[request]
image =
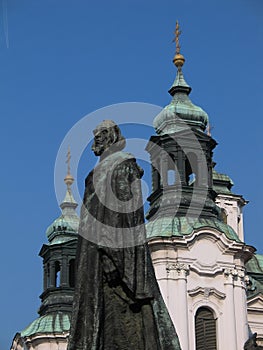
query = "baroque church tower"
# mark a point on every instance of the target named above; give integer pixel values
(195, 227)
(50, 330)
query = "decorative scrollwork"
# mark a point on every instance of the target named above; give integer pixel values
(180, 268)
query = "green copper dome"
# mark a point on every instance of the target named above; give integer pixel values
(183, 226)
(56, 322)
(181, 113)
(61, 229)
(65, 226)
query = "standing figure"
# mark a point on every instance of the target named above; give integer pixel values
(117, 302)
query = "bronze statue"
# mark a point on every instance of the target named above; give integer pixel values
(117, 303)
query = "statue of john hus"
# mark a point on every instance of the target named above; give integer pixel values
(117, 302)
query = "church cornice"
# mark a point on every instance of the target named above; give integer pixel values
(45, 338)
(225, 244)
(240, 199)
(48, 248)
(185, 138)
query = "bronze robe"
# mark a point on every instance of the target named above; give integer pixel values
(117, 303)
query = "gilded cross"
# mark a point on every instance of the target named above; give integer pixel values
(177, 33)
(68, 160)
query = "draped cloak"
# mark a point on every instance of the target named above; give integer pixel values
(117, 302)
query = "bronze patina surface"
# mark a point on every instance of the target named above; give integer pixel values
(117, 302)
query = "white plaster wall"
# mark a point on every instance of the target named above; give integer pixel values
(41, 342)
(233, 206)
(203, 271)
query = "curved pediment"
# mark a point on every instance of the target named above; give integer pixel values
(206, 292)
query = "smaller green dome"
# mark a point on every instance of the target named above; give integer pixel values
(181, 113)
(62, 228)
(66, 226)
(56, 322)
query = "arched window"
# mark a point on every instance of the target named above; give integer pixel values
(171, 177)
(171, 171)
(205, 330)
(57, 274)
(72, 273)
(191, 168)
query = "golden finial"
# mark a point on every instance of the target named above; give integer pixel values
(178, 58)
(69, 179)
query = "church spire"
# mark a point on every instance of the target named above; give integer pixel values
(68, 222)
(180, 113)
(58, 271)
(179, 60)
(69, 179)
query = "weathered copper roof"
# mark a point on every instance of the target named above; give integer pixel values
(255, 264)
(66, 225)
(254, 269)
(182, 226)
(222, 183)
(57, 322)
(180, 112)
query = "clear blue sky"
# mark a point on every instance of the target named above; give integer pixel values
(60, 60)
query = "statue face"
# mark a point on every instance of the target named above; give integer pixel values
(101, 142)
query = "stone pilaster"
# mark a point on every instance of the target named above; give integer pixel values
(230, 333)
(45, 277)
(52, 274)
(178, 272)
(240, 308)
(164, 168)
(64, 272)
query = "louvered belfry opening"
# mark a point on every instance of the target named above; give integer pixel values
(205, 330)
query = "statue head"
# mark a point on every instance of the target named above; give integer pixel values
(107, 137)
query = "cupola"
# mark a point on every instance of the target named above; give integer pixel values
(180, 112)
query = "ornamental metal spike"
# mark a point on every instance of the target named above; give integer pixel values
(69, 179)
(177, 33)
(178, 58)
(68, 160)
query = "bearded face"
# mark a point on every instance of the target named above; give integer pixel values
(101, 142)
(107, 138)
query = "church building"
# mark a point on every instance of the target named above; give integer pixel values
(210, 279)
(195, 231)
